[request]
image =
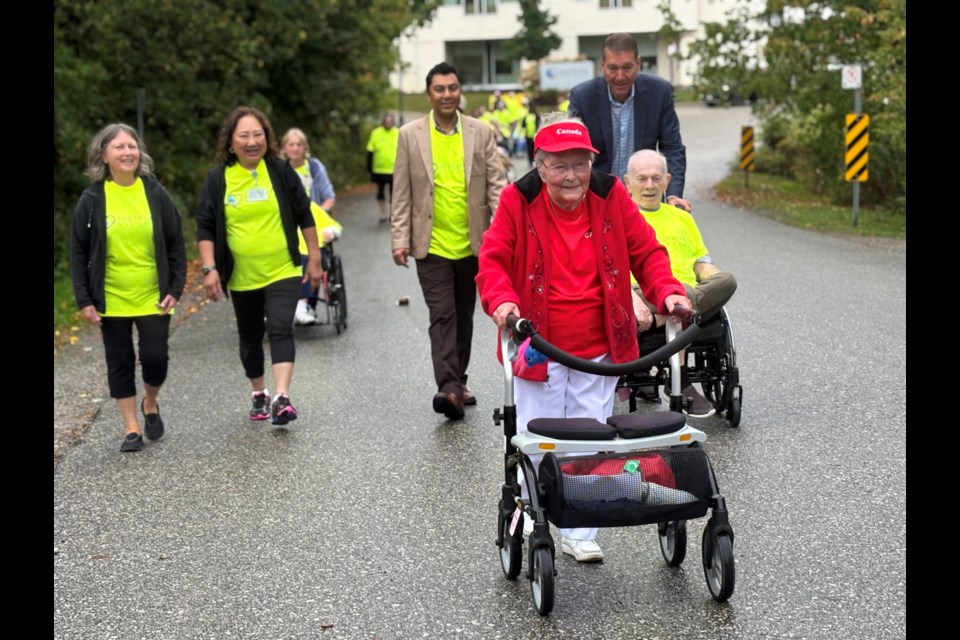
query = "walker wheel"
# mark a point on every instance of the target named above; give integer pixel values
(733, 411)
(673, 541)
(718, 566)
(541, 585)
(511, 547)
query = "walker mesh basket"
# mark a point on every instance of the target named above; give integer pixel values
(626, 489)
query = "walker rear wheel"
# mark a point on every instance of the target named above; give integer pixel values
(673, 541)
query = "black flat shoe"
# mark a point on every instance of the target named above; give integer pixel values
(152, 423)
(132, 442)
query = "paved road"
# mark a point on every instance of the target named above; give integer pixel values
(373, 517)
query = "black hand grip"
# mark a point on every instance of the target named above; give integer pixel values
(683, 340)
(520, 325)
(687, 316)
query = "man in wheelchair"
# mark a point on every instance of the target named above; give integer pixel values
(708, 288)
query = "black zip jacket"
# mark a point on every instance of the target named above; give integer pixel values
(88, 244)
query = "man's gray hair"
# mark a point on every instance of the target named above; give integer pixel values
(647, 153)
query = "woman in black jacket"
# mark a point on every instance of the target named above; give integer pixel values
(129, 267)
(250, 208)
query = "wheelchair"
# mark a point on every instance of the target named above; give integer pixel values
(332, 291)
(711, 361)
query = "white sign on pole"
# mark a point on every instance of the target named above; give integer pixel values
(851, 76)
(564, 76)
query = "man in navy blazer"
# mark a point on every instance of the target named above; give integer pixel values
(638, 107)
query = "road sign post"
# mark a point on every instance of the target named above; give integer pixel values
(857, 136)
(747, 154)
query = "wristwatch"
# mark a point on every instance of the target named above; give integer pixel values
(207, 268)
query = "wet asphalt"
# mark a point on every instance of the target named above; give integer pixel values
(372, 517)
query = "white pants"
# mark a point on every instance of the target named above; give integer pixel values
(567, 393)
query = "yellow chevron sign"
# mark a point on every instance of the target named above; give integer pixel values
(858, 137)
(747, 153)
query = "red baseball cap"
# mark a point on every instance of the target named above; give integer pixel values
(563, 136)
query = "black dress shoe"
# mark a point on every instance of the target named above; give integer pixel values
(132, 442)
(449, 404)
(152, 423)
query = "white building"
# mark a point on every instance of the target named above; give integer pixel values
(468, 34)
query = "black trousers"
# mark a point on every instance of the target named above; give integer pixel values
(278, 301)
(451, 296)
(152, 343)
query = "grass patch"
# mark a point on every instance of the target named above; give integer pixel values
(67, 321)
(789, 202)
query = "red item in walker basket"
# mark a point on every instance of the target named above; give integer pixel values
(653, 468)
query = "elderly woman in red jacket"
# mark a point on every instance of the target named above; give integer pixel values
(559, 252)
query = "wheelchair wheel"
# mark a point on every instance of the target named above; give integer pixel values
(340, 294)
(511, 547)
(541, 586)
(673, 541)
(718, 566)
(733, 411)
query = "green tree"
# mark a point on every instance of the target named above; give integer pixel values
(535, 40)
(317, 64)
(791, 55)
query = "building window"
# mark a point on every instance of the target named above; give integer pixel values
(615, 4)
(480, 6)
(482, 65)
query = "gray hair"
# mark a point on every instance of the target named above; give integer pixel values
(97, 170)
(621, 43)
(291, 132)
(645, 153)
(555, 117)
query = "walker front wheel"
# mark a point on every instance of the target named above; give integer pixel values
(673, 541)
(541, 586)
(718, 566)
(511, 548)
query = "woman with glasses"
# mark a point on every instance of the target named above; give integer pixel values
(559, 252)
(250, 208)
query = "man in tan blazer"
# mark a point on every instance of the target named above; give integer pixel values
(446, 185)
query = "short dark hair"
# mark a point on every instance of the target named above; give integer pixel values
(621, 42)
(224, 154)
(443, 69)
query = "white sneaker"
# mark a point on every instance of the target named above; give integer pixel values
(582, 550)
(305, 316)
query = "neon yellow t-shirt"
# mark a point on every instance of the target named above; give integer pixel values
(451, 225)
(254, 230)
(564, 106)
(130, 287)
(322, 220)
(383, 145)
(304, 172)
(677, 231)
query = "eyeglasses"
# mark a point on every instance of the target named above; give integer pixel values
(559, 170)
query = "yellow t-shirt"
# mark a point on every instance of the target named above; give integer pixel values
(383, 146)
(322, 220)
(677, 231)
(304, 172)
(131, 287)
(451, 224)
(254, 230)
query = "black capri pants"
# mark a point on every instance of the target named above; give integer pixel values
(278, 301)
(152, 337)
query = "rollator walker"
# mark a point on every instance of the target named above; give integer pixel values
(651, 469)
